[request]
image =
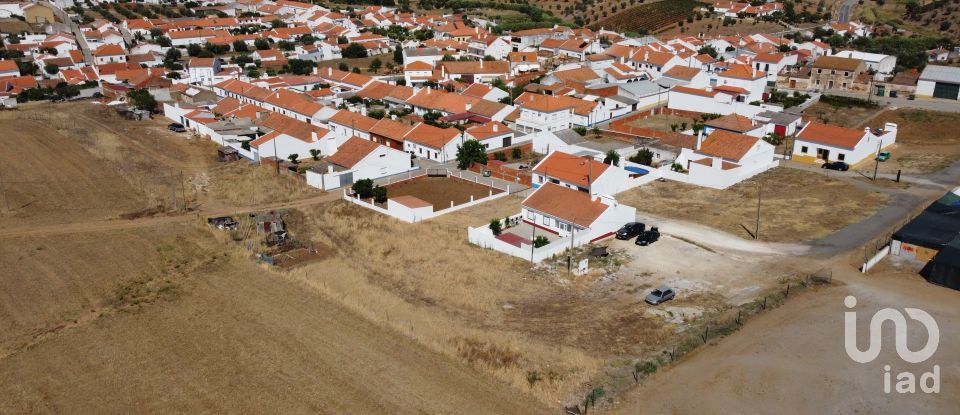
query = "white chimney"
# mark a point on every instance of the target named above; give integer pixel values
(481, 63)
(329, 71)
(496, 127)
(313, 136)
(468, 106)
(329, 168)
(699, 139)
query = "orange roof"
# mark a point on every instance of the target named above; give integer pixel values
(831, 135)
(742, 72)
(8, 65)
(569, 205)
(732, 122)
(682, 72)
(727, 145)
(352, 151)
(693, 91)
(430, 136)
(542, 103)
(109, 50)
(490, 129)
(418, 66)
(353, 120)
(390, 129)
(570, 168)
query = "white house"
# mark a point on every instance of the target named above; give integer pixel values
(432, 143)
(109, 53)
(884, 65)
(202, 70)
(542, 113)
(563, 211)
(723, 159)
(357, 159)
(823, 143)
(492, 135)
(294, 138)
(583, 173)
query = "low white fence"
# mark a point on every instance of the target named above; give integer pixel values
(483, 237)
(876, 259)
(413, 215)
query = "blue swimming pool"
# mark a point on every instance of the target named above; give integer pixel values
(636, 170)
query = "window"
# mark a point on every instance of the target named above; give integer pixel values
(840, 156)
(846, 74)
(532, 216)
(539, 179)
(546, 221)
(803, 149)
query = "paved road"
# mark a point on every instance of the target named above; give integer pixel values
(932, 104)
(844, 15)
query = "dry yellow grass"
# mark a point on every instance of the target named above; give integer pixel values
(241, 183)
(797, 205)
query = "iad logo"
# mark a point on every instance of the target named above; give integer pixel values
(906, 381)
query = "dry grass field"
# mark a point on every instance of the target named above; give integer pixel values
(441, 191)
(852, 117)
(796, 205)
(926, 140)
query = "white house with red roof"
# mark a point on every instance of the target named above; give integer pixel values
(355, 160)
(433, 143)
(583, 173)
(564, 212)
(109, 53)
(817, 143)
(722, 159)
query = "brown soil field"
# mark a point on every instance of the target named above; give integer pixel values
(715, 27)
(926, 140)
(796, 205)
(209, 331)
(440, 191)
(852, 117)
(661, 122)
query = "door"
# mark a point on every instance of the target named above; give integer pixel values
(346, 179)
(881, 90)
(946, 91)
(823, 154)
(780, 129)
(793, 84)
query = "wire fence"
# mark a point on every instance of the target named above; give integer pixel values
(730, 320)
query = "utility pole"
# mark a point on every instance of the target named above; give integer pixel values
(756, 233)
(276, 157)
(570, 255)
(876, 160)
(534, 240)
(3, 192)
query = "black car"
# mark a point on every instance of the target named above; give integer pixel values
(836, 165)
(176, 127)
(648, 237)
(630, 230)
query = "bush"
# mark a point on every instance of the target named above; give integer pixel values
(644, 156)
(470, 152)
(847, 102)
(379, 194)
(580, 130)
(517, 153)
(540, 241)
(500, 155)
(363, 188)
(495, 226)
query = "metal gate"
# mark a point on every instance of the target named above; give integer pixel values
(346, 179)
(945, 90)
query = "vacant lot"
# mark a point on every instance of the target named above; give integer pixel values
(662, 122)
(441, 191)
(927, 141)
(850, 117)
(796, 205)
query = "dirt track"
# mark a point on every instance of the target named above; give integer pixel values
(792, 360)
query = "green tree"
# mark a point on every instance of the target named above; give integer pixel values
(471, 151)
(612, 158)
(261, 44)
(517, 153)
(239, 46)
(362, 188)
(343, 66)
(355, 50)
(142, 100)
(496, 227)
(315, 154)
(644, 157)
(379, 194)
(51, 69)
(375, 65)
(398, 55)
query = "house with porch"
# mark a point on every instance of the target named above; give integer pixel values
(819, 143)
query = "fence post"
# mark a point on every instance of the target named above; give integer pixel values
(787, 294)
(738, 316)
(706, 333)
(764, 302)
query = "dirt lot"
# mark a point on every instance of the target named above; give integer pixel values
(661, 122)
(852, 117)
(926, 140)
(793, 358)
(796, 205)
(440, 191)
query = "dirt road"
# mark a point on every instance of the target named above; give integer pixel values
(792, 360)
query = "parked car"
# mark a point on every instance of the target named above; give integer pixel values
(836, 165)
(884, 156)
(648, 237)
(660, 295)
(630, 230)
(176, 127)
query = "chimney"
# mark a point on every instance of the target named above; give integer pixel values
(329, 71)
(646, 56)
(481, 63)
(468, 106)
(699, 139)
(313, 136)
(496, 127)
(329, 168)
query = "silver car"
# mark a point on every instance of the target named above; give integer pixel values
(660, 295)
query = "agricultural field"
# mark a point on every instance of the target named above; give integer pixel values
(933, 18)
(714, 27)
(650, 17)
(790, 211)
